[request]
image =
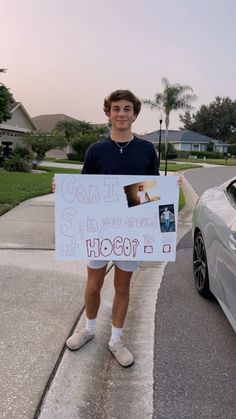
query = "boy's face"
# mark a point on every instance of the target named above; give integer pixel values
(121, 115)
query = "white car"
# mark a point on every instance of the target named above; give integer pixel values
(214, 248)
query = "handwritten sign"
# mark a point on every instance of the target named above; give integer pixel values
(109, 217)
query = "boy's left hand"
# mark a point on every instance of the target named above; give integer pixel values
(180, 181)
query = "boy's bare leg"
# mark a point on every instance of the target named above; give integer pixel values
(92, 302)
(93, 290)
(121, 299)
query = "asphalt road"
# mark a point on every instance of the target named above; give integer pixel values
(195, 346)
(204, 178)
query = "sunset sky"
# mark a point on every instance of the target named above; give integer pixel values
(66, 56)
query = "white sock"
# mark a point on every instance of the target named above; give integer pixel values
(90, 325)
(116, 333)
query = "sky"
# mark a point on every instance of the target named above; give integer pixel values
(66, 56)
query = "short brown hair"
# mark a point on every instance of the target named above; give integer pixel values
(119, 95)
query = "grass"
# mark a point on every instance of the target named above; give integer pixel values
(67, 161)
(16, 187)
(172, 167)
(222, 162)
(175, 167)
(181, 200)
(230, 162)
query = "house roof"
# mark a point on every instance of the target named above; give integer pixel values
(48, 122)
(13, 107)
(182, 136)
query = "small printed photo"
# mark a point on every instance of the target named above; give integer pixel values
(167, 218)
(141, 193)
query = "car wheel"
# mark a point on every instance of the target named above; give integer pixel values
(200, 268)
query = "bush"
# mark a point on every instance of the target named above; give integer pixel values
(80, 145)
(24, 153)
(232, 149)
(172, 155)
(199, 154)
(72, 156)
(172, 152)
(17, 164)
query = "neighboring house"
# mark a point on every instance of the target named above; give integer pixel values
(48, 122)
(187, 140)
(20, 123)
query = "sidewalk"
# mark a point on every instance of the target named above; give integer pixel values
(41, 302)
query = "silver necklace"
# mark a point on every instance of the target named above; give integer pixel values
(121, 148)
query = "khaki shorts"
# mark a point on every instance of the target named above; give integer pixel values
(124, 265)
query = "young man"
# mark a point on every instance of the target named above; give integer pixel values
(167, 214)
(143, 196)
(120, 154)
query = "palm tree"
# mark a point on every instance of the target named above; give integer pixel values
(174, 97)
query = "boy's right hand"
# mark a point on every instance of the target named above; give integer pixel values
(53, 184)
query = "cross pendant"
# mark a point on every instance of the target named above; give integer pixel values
(121, 150)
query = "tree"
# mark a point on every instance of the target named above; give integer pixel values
(210, 146)
(231, 140)
(173, 98)
(75, 131)
(71, 129)
(42, 142)
(5, 101)
(216, 120)
(232, 149)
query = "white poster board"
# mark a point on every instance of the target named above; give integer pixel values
(113, 217)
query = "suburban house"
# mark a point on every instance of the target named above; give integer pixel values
(48, 122)
(19, 124)
(187, 140)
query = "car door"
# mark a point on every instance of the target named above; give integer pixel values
(226, 257)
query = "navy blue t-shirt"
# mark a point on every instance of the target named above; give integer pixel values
(137, 158)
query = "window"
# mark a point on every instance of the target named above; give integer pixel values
(231, 193)
(196, 147)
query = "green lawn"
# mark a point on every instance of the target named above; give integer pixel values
(175, 167)
(16, 187)
(181, 200)
(172, 166)
(67, 161)
(230, 162)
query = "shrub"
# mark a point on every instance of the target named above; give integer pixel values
(232, 149)
(17, 164)
(80, 145)
(72, 156)
(172, 152)
(200, 154)
(24, 153)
